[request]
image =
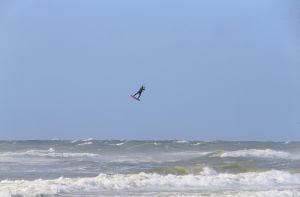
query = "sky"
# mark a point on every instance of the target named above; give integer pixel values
(213, 69)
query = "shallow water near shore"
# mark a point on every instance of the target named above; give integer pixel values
(149, 168)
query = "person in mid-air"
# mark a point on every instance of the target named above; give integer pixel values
(139, 93)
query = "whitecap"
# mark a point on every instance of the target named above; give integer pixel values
(74, 141)
(197, 144)
(46, 153)
(88, 139)
(209, 180)
(118, 144)
(266, 153)
(181, 141)
(85, 143)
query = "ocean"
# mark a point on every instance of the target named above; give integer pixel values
(73, 168)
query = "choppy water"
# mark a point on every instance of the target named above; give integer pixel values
(149, 168)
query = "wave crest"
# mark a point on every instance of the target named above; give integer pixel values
(207, 180)
(46, 153)
(266, 153)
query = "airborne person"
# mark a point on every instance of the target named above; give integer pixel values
(139, 93)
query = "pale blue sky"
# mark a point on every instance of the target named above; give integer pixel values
(213, 69)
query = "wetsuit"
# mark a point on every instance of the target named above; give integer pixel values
(139, 93)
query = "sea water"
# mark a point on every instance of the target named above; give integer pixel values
(149, 168)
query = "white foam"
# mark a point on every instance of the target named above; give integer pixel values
(268, 193)
(118, 144)
(74, 141)
(266, 153)
(181, 141)
(88, 139)
(271, 193)
(85, 143)
(46, 153)
(198, 143)
(208, 180)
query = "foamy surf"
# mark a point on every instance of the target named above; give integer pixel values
(87, 139)
(118, 144)
(207, 180)
(85, 143)
(266, 153)
(181, 142)
(148, 168)
(46, 153)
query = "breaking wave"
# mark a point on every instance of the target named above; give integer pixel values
(197, 144)
(46, 153)
(87, 139)
(85, 143)
(269, 193)
(232, 167)
(74, 141)
(181, 141)
(207, 180)
(118, 144)
(82, 140)
(266, 153)
(178, 170)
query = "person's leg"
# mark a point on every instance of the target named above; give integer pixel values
(139, 95)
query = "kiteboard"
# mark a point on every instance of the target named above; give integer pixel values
(135, 98)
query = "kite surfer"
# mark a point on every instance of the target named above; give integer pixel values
(139, 93)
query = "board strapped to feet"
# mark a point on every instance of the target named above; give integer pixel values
(135, 98)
